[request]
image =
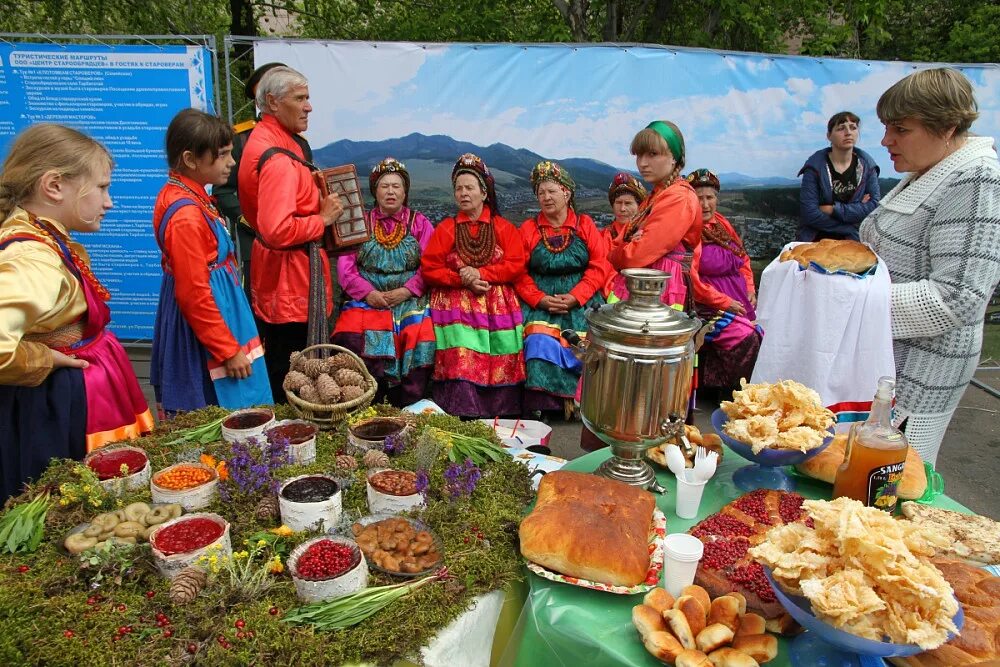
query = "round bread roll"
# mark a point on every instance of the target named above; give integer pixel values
(730, 657)
(712, 637)
(693, 612)
(699, 594)
(725, 610)
(659, 599)
(662, 646)
(741, 598)
(647, 620)
(678, 623)
(751, 624)
(761, 648)
(692, 658)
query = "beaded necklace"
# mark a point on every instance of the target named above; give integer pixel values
(391, 239)
(201, 199)
(720, 236)
(558, 240)
(475, 250)
(51, 237)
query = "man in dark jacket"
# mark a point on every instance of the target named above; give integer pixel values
(839, 184)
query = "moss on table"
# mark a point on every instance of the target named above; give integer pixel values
(50, 614)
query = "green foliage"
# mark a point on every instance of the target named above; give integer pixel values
(105, 17)
(22, 526)
(51, 614)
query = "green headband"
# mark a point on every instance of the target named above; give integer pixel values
(668, 134)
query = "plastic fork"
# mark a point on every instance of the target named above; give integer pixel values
(705, 463)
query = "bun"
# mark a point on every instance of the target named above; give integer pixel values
(693, 612)
(751, 624)
(832, 255)
(742, 599)
(662, 646)
(659, 599)
(725, 610)
(679, 626)
(823, 467)
(589, 527)
(761, 648)
(692, 658)
(700, 594)
(713, 637)
(647, 620)
(730, 657)
(783, 625)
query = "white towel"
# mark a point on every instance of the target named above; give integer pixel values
(831, 332)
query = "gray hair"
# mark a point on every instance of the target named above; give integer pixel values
(277, 82)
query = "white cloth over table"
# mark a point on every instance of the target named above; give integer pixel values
(831, 332)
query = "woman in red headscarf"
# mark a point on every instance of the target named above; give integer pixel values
(387, 319)
(471, 263)
(624, 194)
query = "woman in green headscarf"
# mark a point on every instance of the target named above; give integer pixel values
(566, 270)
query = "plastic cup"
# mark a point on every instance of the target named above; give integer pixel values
(688, 495)
(682, 553)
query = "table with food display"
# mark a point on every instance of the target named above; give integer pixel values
(773, 540)
(258, 537)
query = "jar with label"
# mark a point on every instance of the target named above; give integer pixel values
(875, 456)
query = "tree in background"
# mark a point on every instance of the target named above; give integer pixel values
(917, 30)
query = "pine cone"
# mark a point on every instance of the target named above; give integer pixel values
(294, 380)
(350, 392)
(314, 367)
(346, 377)
(376, 459)
(268, 509)
(341, 360)
(295, 361)
(346, 462)
(307, 392)
(327, 389)
(187, 584)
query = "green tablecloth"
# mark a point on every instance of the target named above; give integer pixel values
(568, 625)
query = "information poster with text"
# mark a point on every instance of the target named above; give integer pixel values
(124, 96)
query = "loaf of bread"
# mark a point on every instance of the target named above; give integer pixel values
(832, 255)
(979, 594)
(590, 527)
(824, 466)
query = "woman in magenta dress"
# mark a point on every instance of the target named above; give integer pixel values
(387, 320)
(725, 294)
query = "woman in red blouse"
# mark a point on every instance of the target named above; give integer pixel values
(206, 350)
(624, 194)
(667, 229)
(471, 263)
(566, 271)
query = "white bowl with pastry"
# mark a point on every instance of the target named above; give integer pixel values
(594, 532)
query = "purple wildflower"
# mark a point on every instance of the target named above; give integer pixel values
(460, 479)
(251, 467)
(423, 482)
(394, 444)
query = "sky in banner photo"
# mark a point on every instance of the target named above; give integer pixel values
(753, 119)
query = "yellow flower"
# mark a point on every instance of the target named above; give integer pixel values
(213, 559)
(86, 488)
(63, 502)
(276, 567)
(95, 502)
(261, 543)
(283, 531)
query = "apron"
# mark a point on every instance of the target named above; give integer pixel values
(180, 363)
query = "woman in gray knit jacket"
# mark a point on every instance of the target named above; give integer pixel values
(939, 233)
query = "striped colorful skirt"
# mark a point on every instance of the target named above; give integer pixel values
(479, 364)
(397, 344)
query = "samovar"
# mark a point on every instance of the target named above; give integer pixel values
(638, 361)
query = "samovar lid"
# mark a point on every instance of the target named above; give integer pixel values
(643, 314)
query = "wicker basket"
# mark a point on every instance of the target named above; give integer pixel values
(328, 416)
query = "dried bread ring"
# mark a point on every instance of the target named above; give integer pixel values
(136, 511)
(77, 543)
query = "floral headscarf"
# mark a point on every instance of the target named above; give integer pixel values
(390, 165)
(469, 163)
(552, 171)
(703, 178)
(625, 183)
